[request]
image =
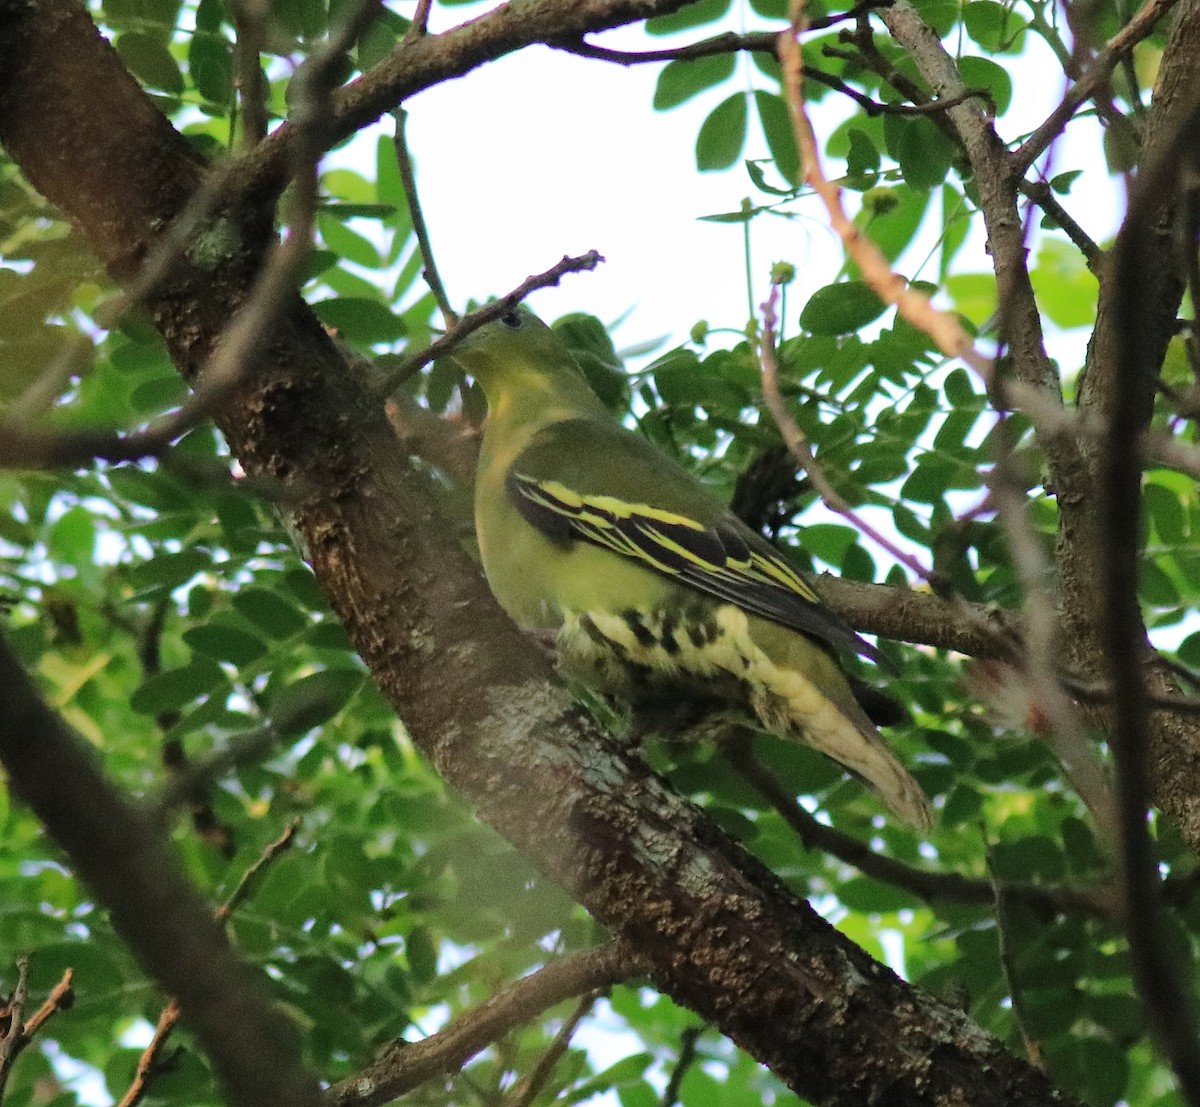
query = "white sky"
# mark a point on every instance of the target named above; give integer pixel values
(542, 153)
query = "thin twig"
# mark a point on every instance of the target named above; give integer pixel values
(61, 996)
(419, 27)
(729, 42)
(476, 319)
(1097, 75)
(10, 1043)
(763, 42)
(933, 887)
(408, 179)
(407, 1065)
(250, 18)
(21, 1031)
(796, 441)
(148, 1062)
(246, 885)
(687, 1057)
(1008, 967)
(1043, 196)
(526, 1090)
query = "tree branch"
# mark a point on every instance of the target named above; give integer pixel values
(148, 1062)
(527, 1089)
(408, 179)
(118, 851)
(470, 323)
(925, 884)
(1160, 979)
(1098, 73)
(407, 1065)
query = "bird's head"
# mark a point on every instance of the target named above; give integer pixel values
(518, 355)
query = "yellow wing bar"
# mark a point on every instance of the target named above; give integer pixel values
(723, 560)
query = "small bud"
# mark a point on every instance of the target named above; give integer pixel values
(783, 272)
(879, 201)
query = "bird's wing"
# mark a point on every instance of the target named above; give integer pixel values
(719, 556)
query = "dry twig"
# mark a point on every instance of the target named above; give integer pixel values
(470, 323)
(407, 1065)
(20, 1031)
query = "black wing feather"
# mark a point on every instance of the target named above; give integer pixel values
(724, 560)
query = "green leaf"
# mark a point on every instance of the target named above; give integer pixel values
(1155, 586)
(270, 612)
(1066, 289)
(893, 225)
(597, 358)
(722, 135)
(349, 244)
(781, 140)
(690, 15)
(312, 700)
(72, 537)
(150, 61)
(223, 642)
(841, 308)
(941, 15)
(922, 151)
(176, 688)
(210, 65)
(960, 389)
(995, 27)
(169, 570)
(974, 295)
(680, 80)
(862, 893)
(1166, 512)
(379, 38)
(984, 73)
(1061, 183)
(862, 157)
(1122, 145)
(421, 953)
(362, 321)
(627, 1071)
(94, 967)
(306, 19)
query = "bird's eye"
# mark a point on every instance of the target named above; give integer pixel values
(511, 319)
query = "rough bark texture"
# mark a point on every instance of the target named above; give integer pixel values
(722, 934)
(119, 849)
(1074, 467)
(1174, 739)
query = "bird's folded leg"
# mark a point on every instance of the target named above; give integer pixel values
(685, 720)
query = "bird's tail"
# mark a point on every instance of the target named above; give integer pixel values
(789, 704)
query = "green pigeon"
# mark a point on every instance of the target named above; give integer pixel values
(655, 591)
